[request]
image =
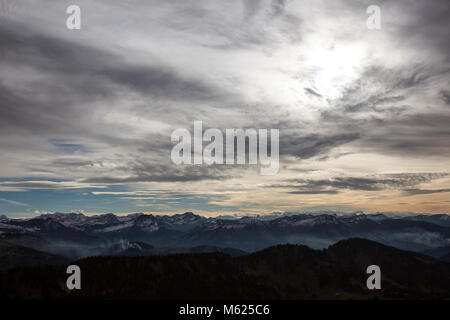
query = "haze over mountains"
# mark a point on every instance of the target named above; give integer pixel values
(75, 235)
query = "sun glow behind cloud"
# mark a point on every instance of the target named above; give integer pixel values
(334, 68)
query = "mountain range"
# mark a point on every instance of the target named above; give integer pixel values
(75, 235)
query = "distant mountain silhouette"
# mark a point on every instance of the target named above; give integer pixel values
(76, 235)
(12, 255)
(279, 272)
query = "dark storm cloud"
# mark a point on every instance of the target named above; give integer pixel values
(430, 26)
(10, 109)
(414, 23)
(72, 162)
(66, 146)
(26, 47)
(133, 172)
(420, 134)
(160, 83)
(305, 147)
(78, 85)
(373, 103)
(358, 97)
(314, 192)
(445, 96)
(147, 172)
(312, 92)
(377, 183)
(414, 192)
(23, 46)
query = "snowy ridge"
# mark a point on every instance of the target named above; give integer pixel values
(417, 233)
(188, 221)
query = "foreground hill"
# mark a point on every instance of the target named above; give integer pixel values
(280, 272)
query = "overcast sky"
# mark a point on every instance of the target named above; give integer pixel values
(86, 115)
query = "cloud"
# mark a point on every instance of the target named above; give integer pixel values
(147, 172)
(312, 92)
(16, 203)
(377, 183)
(95, 71)
(68, 147)
(277, 7)
(414, 192)
(314, 192)
(96, 108)
(72, 162)
(304, 147)
(445, 95)
(161, 83)
(426, 26)
(43, 184)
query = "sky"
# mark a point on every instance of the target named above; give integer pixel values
(86, 115)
